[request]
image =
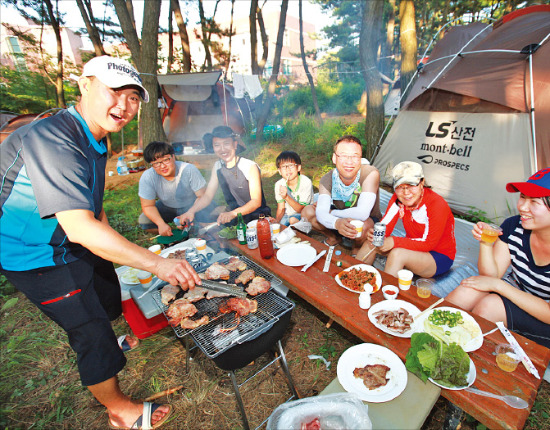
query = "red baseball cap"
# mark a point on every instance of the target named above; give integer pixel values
(537, 185)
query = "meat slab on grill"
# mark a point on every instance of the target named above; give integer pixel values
(234, 264)
(241, 306)
(178, 254)
(179, 310)
(195, 294)
(373, 375)
(217, 271)
(168, 293)
(245, 277)
(189, 324)
(258, 285)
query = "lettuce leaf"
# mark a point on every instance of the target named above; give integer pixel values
(452, 367)
(413, 364)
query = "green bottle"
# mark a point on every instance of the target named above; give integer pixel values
(241, 230)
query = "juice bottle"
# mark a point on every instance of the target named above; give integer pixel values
(264, 238)
(241, 230)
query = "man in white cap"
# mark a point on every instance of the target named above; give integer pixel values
(56, 245)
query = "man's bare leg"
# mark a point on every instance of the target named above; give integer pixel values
(123, 411)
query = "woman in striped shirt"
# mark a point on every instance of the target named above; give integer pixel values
(521, 299)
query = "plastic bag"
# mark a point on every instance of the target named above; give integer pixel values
(340, 411)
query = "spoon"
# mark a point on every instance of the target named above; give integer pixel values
(513, 401)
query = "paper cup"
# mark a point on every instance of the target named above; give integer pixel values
(200, 244)
(405, 279)
(145, 278)
(275, 228)
(358, 226)
(155, 248)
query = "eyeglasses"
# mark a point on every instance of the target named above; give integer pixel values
(354, 158)
(165, 161)
(406, 188)
(288, 166)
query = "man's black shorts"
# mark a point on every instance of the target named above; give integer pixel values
(81, 297)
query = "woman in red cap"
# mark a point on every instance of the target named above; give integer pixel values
(521, 298)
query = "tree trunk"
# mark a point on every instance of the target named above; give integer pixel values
(386, 63)
(170, 40)
(230, 37)
(185, 48)
(89, 21)
(145, 55)
(266, 108)
(253, 37)
(205, 40)
(368, 48)
(306, 68)
(59, 73)
(408, 44)
(265, 42)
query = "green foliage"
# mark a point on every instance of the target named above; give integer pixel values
(128, 136)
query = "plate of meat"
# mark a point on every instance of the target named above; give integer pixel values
(355, 277)
(394, 317)
(373, 372)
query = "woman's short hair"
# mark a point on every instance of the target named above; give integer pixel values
(157, 150)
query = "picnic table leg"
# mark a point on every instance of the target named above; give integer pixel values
(329, 323)
(453, 416)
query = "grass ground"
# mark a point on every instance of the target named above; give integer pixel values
(39, 384)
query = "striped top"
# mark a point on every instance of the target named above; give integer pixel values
(527, 275)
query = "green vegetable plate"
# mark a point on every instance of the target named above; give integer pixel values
(177, 236)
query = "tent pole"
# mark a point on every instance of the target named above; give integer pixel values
(533, 112)
(224, 98)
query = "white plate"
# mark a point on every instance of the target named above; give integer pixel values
(467, 346)
(296, 254)
(392, 305)
(470, 378)
(370, 353)
(365, 267)
(129, 276)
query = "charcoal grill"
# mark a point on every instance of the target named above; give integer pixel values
(256, 333)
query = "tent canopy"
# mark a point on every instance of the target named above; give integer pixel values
(470, 118)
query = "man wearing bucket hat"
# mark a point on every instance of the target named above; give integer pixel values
(521, 298)
(56, 245)
(429, 245)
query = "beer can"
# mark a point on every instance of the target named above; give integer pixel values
(251, 238)
(379, 234)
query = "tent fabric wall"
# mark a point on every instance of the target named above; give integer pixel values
(484, 91)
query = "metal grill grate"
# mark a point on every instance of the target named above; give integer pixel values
(212, 339)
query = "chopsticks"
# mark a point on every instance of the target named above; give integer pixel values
(154, 237)
(368, 253)
(429, 308)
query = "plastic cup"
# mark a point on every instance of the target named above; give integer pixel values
(490, 232)
(424, 287)
(145, 278)
(200, 245)
(507, 359)
(155, 248)
(358, 226)
(405, 279)
(390, 292)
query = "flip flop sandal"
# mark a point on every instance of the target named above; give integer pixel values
(148, 410)
(123, 343)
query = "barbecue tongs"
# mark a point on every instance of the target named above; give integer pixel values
(220, 287)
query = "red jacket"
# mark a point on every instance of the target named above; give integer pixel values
(430, 227)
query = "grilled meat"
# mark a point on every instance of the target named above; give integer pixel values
(234, 264)
(258, 285)
(180, 309)
(399, 320)
(189, 324)
(245, 277)
(168, 293)
(373, 375)
(217, 271)
(195, 294)
(179, 254)
(241, 306)
(315, 424)
(213, 294)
